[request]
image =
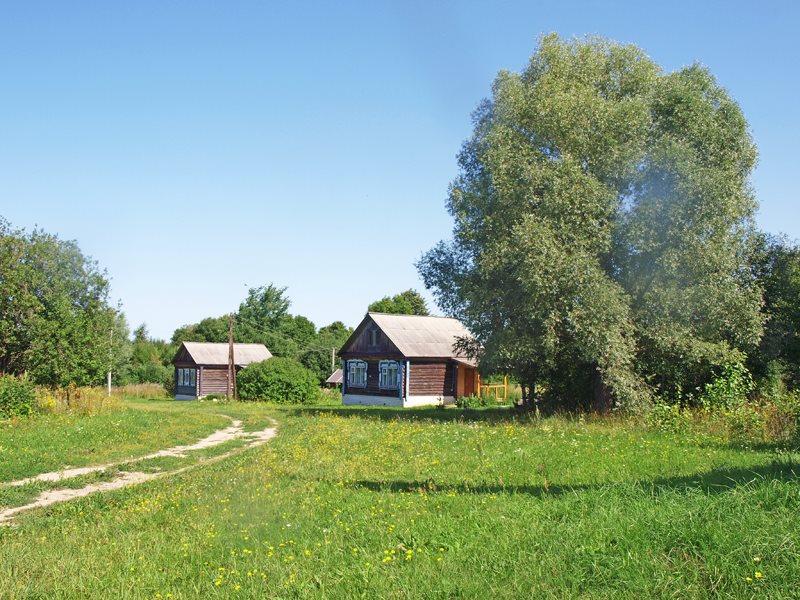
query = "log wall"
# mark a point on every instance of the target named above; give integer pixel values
(432, 379)
(373, 380)
(214, 380)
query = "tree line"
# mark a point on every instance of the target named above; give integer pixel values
(58, 326)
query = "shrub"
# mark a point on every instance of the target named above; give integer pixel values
(150, 373)
(729, 389)
(514, 394)
(278, 379)
(782, 418)
(17, 396)
(169, 382)
(330, 395)
(745, 423)
(669, 418)
(472, 401)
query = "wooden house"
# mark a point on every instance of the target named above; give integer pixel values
(406, 360)
(201, 368)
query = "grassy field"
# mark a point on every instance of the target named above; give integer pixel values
(349, 502)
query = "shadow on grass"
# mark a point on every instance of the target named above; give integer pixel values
(710, 482)
(500, 414)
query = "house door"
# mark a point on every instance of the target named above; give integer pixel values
(465, 381)
(469, 381)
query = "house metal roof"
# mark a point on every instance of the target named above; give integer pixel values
(423, 337)
(208, 353)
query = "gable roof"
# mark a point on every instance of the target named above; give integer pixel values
(419, 337)
(208, 353)
(336, 377)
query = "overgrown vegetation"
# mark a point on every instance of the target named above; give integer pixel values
(146, 391)
(17, 396)
(55, 315)
(281, 380)
(74, 400)
(611, 263)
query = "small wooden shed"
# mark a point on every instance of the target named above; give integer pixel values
(335, 378)
(406, 360)
(201, 368)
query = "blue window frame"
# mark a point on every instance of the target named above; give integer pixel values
(389, 375)
(356, 373)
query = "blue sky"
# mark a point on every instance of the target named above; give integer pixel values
(195, 149)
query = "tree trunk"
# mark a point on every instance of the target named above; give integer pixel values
(602, 401)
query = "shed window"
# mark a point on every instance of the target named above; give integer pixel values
(389, 375)
(356, 373)
(187, 377)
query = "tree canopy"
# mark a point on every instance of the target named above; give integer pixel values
(777, 264)
(409, 302)
(55, 314)
(603, 220)
(263, 317)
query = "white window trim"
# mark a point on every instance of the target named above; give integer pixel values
(187, 377)
(384, 368)
(352, 367)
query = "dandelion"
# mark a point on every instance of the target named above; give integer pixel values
(759, 574)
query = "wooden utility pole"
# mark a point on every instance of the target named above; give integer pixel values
(231, 366)
(110, 358)
(333, 360)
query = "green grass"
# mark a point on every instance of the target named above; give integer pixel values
(389, 503)
(51, 442)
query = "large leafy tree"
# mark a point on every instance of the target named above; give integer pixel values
(602, 218)
(777, 264)
(210, 329)
(409, 302)
(319, 356)
(55, 315)
(263, 318)
(151, 359)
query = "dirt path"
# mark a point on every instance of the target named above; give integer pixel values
(235, 431)
(215, 439)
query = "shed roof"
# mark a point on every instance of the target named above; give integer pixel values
(423, 337)
(208, 353)
(336, 377)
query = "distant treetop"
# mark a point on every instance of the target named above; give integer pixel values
(409, 302)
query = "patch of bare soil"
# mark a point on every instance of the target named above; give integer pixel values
(125, 479)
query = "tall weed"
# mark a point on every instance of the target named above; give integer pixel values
(147, 391)
(75, 400)
(17, 396)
